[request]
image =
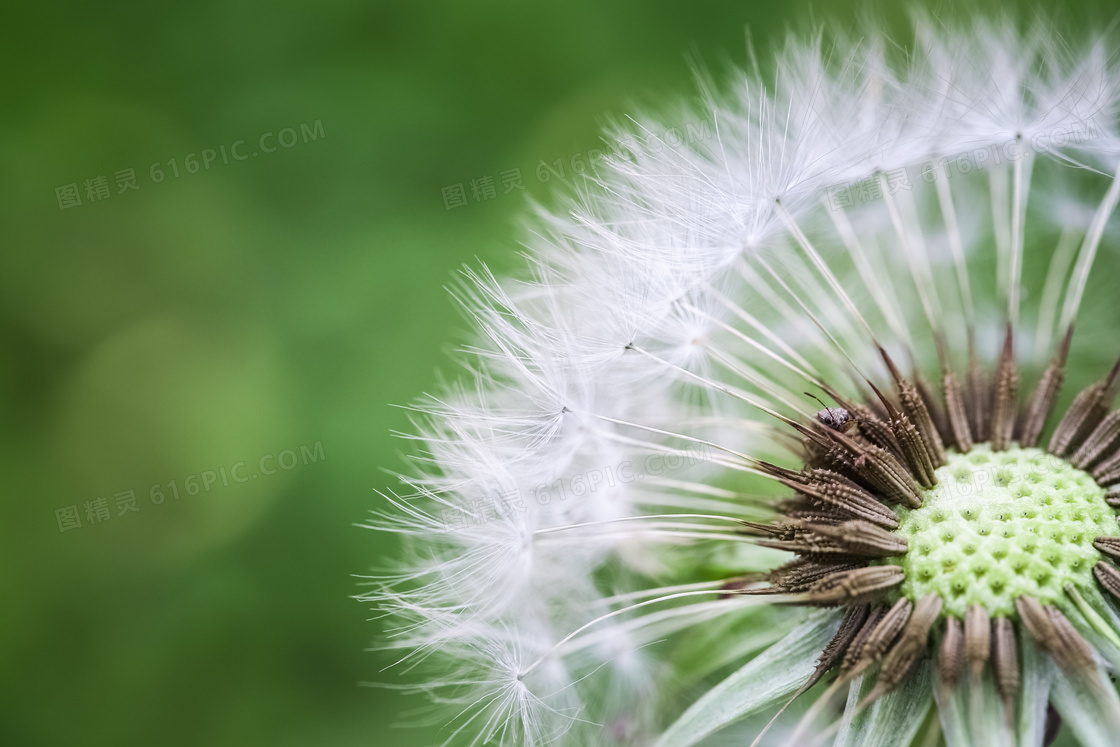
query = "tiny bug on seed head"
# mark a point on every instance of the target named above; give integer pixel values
(835, 418)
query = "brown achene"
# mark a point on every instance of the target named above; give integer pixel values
(842, 520)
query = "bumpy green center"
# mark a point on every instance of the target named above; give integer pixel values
(1002, 524)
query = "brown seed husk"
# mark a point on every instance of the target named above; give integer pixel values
(977, 638)
(854, 654)
(1005, 656)
(1005, 394)
(1045, 395)
(1054, 635)
(855, 586)
(956, 413)
(834, 652)
(910, 645)
(951, 655)
(1108, 577)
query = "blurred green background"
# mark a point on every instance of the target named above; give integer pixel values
(154, 338)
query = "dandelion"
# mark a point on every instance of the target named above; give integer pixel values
(779, 416)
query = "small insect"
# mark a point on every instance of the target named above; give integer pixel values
(835, 418)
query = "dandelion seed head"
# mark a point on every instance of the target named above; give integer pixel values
(765, 410)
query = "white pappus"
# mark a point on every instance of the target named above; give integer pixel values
(578, 561)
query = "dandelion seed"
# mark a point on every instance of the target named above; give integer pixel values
(657, 538)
